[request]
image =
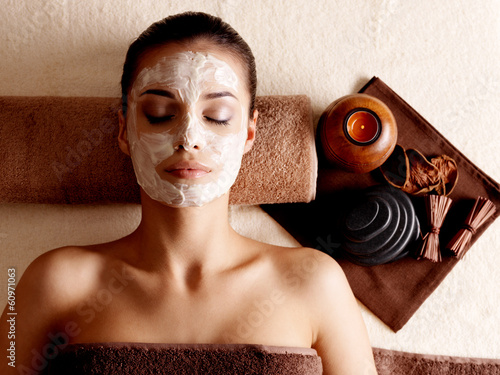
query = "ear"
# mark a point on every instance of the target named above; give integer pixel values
(122, 133)
(252, 125)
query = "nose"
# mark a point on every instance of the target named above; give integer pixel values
(190, 135)
(185, 145)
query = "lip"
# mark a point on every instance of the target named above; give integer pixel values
(187, 169)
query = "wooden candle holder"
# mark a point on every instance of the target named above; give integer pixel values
(358, 133)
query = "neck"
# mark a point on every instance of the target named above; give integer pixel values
(182, 242)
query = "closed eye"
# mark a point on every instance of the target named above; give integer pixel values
(158, 120)
(218, 122)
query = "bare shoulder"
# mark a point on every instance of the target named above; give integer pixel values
(324, 288)
(66, 264)
(50, 287)
(310, 276)
(57, 278)
(316, 271)
(338, 332)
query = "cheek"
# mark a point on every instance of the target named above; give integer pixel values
(153, 146)
(159, 146)
(231, 147)
(228, 150)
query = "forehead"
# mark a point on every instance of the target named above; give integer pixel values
(177, 59)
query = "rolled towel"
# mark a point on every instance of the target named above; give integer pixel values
(64, 150)
(144, 358)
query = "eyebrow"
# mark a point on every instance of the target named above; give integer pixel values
(218, 94)
(159, 92)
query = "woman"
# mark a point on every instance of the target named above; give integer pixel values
(184, 275)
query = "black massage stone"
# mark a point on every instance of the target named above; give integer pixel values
(394, 246)
(379, 229)
(382, 238)
(367, 220)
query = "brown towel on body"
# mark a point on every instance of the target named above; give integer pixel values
(144, 358)
(393, 362)
(396, 290)
(64, 150)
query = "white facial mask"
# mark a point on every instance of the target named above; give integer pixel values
(189, 73)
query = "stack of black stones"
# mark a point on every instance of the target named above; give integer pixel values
(379, 228)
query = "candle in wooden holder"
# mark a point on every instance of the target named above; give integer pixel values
(357, 133)
(362, 126)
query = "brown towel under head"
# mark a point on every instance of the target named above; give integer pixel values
(64, 150)
(177, 359)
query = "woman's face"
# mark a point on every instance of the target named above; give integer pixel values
(187, 124)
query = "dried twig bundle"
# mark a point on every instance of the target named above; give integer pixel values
(482, 211)
(437, 207)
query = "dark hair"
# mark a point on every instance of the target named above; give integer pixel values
(186, 27)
